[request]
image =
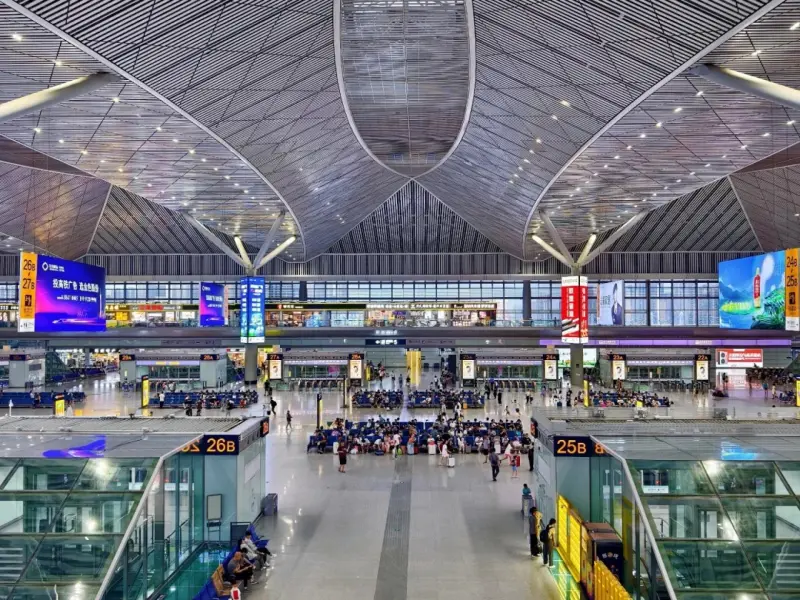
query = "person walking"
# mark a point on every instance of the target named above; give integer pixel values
(548, 539)
(494, 461)
(288, 419)
(342, 451)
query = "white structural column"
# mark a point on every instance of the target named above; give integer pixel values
(613, 238)
(273, 231)
(217, 242)
(54, 95)
(242, 252)
(280, 248)
(747, 84)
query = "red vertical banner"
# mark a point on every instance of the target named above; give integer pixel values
(574, 310)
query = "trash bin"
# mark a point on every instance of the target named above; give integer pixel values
(269, 505)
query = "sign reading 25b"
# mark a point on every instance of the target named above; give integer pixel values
(576, 445)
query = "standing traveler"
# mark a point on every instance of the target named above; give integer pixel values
(494, 461)
(342, 457)
(534, 530)
(548, 539)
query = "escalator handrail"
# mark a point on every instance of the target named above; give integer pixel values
(133, 523)
(643, 517)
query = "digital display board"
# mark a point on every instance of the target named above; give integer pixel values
(213, 304)
(740, 358)
(251, 311)
(792, 279)
(576, 445)
(275, 367)
(221, 444)
(589, 358)
(468, 369)
(752, 292)
(611, 303)
(550, 362)
(618, 367)
(355, 368)
(701, 364)
(574, 310)
(60, 295)
(145, 391)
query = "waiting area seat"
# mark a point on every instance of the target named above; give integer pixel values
(45, 399)
(215, 586)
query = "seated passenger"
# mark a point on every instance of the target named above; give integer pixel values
(239, 569)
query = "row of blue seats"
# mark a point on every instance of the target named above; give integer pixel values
(469, 398)
(24, 400)
(178, 398)
(210, 591)
(422, 440)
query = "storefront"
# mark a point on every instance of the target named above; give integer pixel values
(76, 358)
(514, 369)
(301, 314)
(8, 315)
(151, 315)
(431, 314)
(732, 365)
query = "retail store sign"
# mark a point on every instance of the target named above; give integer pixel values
(741, 358)
(386, 332)
(574, 310)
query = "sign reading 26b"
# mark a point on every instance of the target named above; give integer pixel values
(214, 445)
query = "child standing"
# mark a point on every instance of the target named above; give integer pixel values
(515, 463)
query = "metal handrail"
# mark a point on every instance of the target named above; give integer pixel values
(644, 519)
(135, 518)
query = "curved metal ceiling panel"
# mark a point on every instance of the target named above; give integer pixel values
(53, 212)
(124, 135)
(259, 74)
(558, 71)
(405, 67)
(688, 133)
(413, 221)
(771, 200)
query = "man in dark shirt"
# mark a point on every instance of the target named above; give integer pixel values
(494, 461)
(239, 569)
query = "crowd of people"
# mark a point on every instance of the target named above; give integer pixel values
(210, 399)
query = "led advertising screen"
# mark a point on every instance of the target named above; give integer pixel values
(550, 362)
(213, 304)
(574, 310)
(355, 368)
(251, 328)
(611, 303)
(275, 366)
(618, 367)
(468, 365)
(752, 292)
(701, 362)
(792, 278)
(589, 358)
(60, 295)
(740, 358)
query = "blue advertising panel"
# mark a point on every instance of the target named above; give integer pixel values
(213, 304)
(251, 328)
(60, 295)
(752, 292)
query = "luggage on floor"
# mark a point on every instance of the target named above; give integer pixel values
(451, 461)
(411, 449)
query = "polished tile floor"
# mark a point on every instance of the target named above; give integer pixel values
(388, 529)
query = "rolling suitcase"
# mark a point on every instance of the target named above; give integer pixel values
(451, 461)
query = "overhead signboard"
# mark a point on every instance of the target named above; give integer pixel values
(619, 367)
(251, 311)
(213, 304)
(752, 292)
(741, 358)
(701, 365)
(611, 303)
(60, 295)
(589, 358)
(574, 310)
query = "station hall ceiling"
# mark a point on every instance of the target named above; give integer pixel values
(356, 116)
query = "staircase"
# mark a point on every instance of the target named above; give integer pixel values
(12, 563)
(787, 567)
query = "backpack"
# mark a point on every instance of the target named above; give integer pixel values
(543, 536)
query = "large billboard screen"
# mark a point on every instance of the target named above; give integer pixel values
(574, 310)
(251, 327)
(752, 292)
(589, 358)
(60, 295)
(213, 304)
(611, 303)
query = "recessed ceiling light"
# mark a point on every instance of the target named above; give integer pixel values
(191, 151)
(173, 198)
(628, 147)
(577, 189)
(509, 181)
(797, 214)
(246, 192)
(642, 135)
(515, 175)
(38, 130)
(708, 165)
(60, 141)
(301, 169)
(658, 124)
(84, 152)
(795, 26)
(538, 140)
(115, 99)
(554, 117)
(216, 169)
(175, 140)
(679, 180)
(519, 168)
(654, 193)
(16, 37)
(605, 166)
(616, 157)
(692, 173)
(644, 199)
(58, 63)
(594, 174)
(158, 128)
(149, 185)
(765, 134)
(564, 103)
(558, 207)
(120, 169)
(744, 146)
(724, 156)
(700, 93)
(235, 185)
(572, 195)
(226, 176)
(531, 151)
(102, 160)
(755, 53)
(790, 122)
(666, 187)
(678, 109)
